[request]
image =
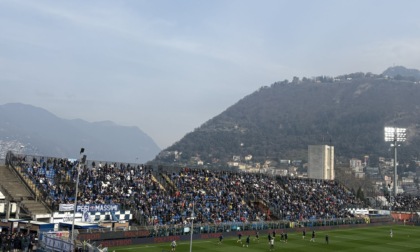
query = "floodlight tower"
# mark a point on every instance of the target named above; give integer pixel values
(79, 167)
(395, 135)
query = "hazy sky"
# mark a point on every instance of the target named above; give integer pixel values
(168, 66)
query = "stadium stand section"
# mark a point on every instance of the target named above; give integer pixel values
(168, 196)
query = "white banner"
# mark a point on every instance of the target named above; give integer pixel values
(97, 208)
(66, 207)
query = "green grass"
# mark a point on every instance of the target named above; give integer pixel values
(405, 238)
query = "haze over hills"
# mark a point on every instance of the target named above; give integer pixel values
(400, 72)
(275, 122)
(32, 130)
(280, 121)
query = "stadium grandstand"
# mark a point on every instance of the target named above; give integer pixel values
(121, 203)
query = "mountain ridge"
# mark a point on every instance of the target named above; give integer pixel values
(43, 133)
(281, 120)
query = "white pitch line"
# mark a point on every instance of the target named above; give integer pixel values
(148, 246)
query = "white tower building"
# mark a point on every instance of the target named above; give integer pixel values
(321, 162)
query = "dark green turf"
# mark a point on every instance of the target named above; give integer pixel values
(405, 238)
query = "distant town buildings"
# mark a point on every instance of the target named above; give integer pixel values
(321, 162)
(356, 167)
(376, 174)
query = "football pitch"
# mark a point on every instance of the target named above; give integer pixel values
(405, 238)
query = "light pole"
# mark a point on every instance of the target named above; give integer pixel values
(395, 135)
(82, 160)
(192, 226)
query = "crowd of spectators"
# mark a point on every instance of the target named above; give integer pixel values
(109, 183)
(406, 202)
(310, 198)
(213, 195)
(218, 196)
(18, 241)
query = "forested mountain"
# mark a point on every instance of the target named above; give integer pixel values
(281, 120)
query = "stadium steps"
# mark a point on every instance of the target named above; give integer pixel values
(16, 190)
(169, 182)
(156, 181)
(12, 185)
(35, 207)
